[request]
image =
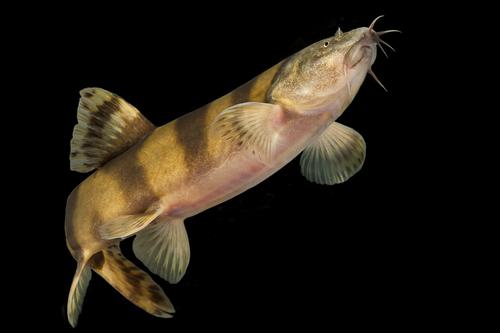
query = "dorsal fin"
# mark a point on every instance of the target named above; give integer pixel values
(107, 126)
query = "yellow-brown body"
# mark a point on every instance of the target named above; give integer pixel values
(149, 180)
(173, 157)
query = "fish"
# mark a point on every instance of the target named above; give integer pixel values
(147, 180)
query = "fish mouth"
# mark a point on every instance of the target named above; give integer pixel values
(375, 36)
(372, 39)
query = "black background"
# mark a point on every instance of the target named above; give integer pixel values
(286, 253)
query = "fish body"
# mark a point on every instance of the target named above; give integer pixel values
(150, 179)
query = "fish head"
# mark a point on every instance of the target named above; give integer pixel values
(326, 72)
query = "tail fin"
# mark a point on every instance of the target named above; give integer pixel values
(133, 283)
(77, 292)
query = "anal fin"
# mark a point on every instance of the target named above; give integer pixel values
(164, 248)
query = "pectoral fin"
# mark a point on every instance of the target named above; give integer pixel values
(252, 126)
(128, 225)
(335, 157)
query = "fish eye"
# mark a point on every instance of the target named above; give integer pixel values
(326, 44)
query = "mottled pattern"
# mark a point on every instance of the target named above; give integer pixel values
(190, 165)
(133, 283)
(107, 125)
(165, 162)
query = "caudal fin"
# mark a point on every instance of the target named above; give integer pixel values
(77, 292)
(133, 283)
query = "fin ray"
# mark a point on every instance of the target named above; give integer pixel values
(107, 126)
(164, 248)
(127, 225)
(77, 292)
(132, 282)
(335, 157)
(251, 125)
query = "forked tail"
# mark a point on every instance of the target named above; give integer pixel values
(133, 283)
(77, 292)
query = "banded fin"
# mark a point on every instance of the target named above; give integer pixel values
(164, 248)
(107, 126)
(133, 283)
(252, 126)
(127, 225)
(335, 157)
(77, 292)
